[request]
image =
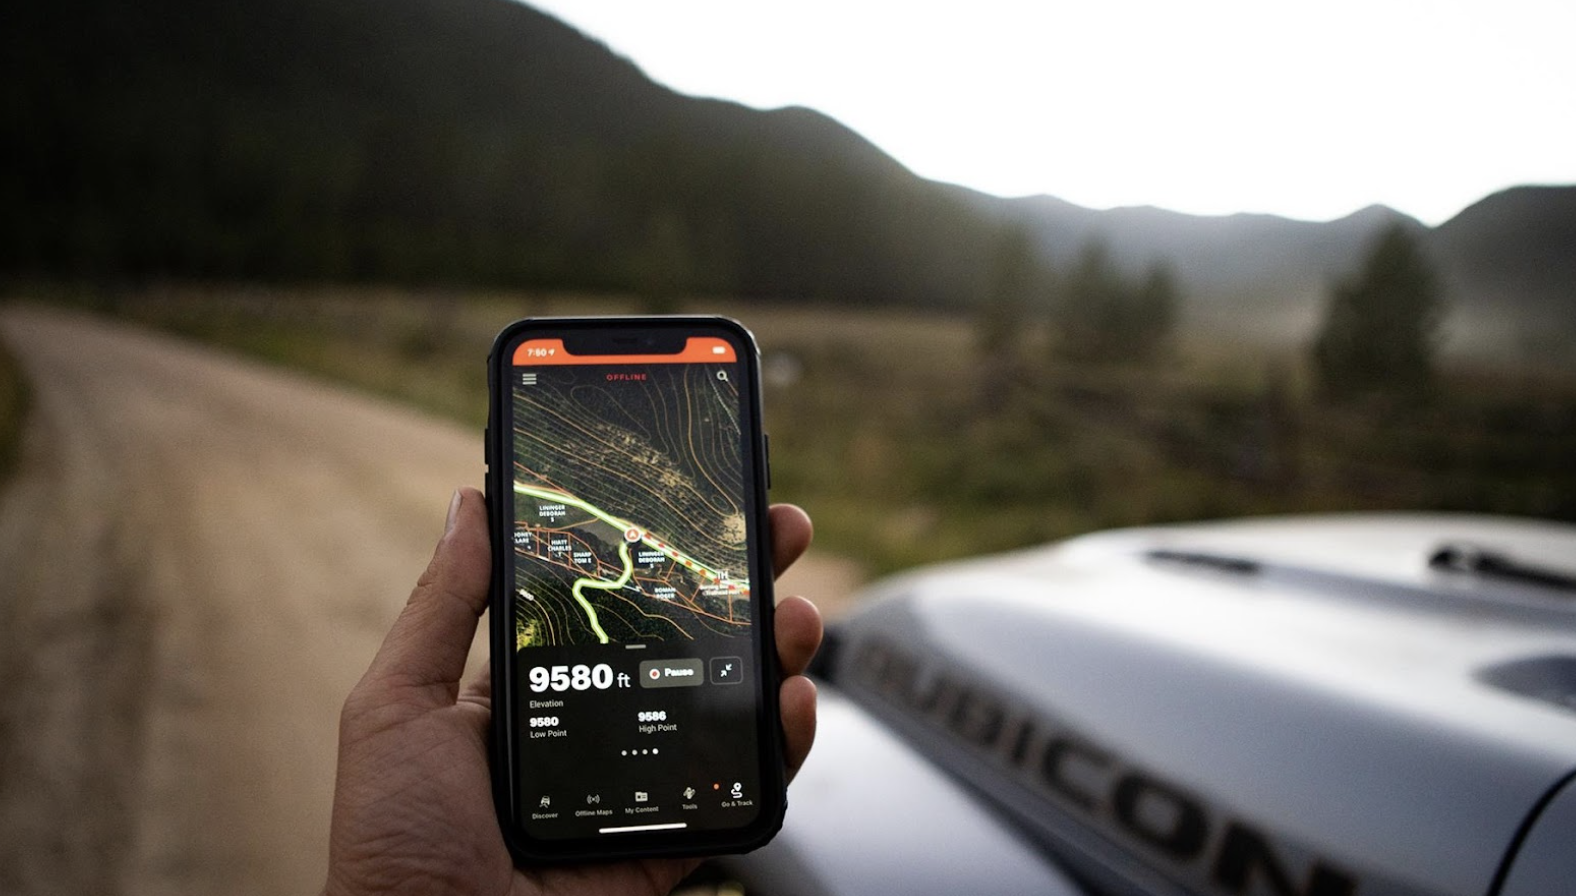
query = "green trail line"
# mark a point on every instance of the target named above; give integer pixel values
(624, 526)
(600, 585)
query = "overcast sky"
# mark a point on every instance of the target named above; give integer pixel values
(1309, 110)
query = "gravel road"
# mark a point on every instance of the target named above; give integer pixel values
(198, 556)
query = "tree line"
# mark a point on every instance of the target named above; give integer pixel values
(1378, 339)
(1096, 312)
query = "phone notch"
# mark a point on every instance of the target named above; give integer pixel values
(625, 342)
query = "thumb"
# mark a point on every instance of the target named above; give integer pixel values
(426, 648)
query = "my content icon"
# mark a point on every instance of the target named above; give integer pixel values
(640, 796)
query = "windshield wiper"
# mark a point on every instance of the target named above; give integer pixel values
(1469, 559)
(1202, 560)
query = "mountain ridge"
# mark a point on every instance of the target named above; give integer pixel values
(483, 141)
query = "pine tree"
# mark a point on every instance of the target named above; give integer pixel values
(1381, 328)
(1155, 307)
(1104, 317)
(1014, 277)
(1090, 309)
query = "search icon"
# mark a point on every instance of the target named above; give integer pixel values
(722, 375)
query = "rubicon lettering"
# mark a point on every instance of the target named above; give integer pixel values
(1136, 808)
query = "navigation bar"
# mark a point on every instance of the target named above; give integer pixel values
(671, 826)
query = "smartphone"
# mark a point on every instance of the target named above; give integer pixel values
(634, 670)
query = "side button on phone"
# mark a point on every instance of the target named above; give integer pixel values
(767, 441)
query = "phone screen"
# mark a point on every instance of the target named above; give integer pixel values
(634, 585)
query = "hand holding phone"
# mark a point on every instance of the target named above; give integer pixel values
(634, 676)
(412, 804)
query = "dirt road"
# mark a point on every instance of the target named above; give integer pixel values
(198, 556)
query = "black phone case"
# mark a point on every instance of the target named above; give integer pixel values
(528, 850)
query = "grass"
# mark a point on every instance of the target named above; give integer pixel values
(907, 447)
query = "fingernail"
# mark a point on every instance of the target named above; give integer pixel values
(454, 513)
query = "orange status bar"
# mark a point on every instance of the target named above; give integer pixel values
(697, 349)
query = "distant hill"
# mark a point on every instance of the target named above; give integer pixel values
(1516, 248)
(1270, 265)
(483, 142)
(1508, 262)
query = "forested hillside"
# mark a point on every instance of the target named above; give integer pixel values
(480, 142)
(455, 141)
(1516, 249)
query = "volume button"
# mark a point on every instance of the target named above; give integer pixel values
(767, 442)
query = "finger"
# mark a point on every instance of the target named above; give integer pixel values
(799, 629)
(428, 644)
(797, 700)
(791, 534)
